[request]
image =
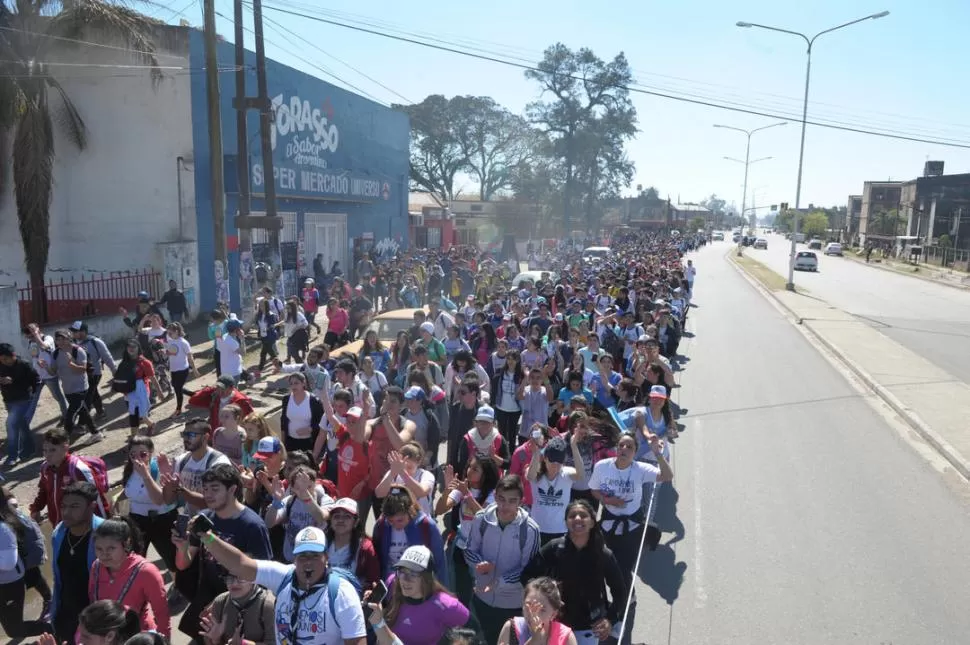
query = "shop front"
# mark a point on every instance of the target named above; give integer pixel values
(340, 173)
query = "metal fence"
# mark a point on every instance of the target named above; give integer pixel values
(946, 257)
(102, 294)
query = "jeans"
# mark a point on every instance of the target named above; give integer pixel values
(175, 316)
(77, 409)
(93, 397)
(20, 443)
(54, 386)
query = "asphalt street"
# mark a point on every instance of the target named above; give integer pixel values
(928, 318)
(797, 514)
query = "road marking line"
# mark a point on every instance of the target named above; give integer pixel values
(700, 592)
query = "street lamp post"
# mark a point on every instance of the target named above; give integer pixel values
(801, 150)
(747, 155)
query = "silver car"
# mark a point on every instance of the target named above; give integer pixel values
(806, 261)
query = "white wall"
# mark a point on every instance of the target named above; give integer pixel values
(115, 200)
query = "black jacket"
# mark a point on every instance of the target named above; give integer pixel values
(25, 381)
(316, 416)
(585, 600)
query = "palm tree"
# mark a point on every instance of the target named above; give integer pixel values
(30, 32)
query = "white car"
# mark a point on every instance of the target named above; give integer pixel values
(806, 261)
(833, 248)
(761, 243)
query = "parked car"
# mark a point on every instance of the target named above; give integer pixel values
(718, 236)
(387, 326)
(761, 243)
(815, 243)
(833, 248)
(806, 261)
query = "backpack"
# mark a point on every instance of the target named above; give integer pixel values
(611, 342)
(57, 352)
(31, 546)
(523, 533)
(208, 460)
(99, 475)
(473, 449)
(334, 576)
(124, 380)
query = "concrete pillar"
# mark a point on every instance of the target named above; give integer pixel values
(10, 318)
(929, 230)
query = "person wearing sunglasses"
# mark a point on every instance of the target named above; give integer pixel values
(418, 609)
(153, 517)
(183, 479)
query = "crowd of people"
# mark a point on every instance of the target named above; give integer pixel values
(508, 447)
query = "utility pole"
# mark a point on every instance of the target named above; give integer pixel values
(246, 264)
(217, 179)
(266, 148)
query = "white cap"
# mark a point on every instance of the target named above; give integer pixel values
(310, 540)
(428, 327)
(415, 558)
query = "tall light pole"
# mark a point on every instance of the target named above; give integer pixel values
(747, 155)
(801, 151)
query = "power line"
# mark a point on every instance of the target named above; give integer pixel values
(639, 88)
(89, 43)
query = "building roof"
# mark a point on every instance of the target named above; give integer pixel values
(697, 208)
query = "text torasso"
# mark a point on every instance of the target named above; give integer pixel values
(296, 118)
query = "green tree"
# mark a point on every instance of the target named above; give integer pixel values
(697, 223)
(437, 156)
(815, 224)
(588, 116)
(27, 48)
(494, 141)
(887, 223)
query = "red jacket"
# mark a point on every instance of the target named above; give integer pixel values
(50, 490)
(208, 397)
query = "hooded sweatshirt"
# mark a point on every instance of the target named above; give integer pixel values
(508, 548)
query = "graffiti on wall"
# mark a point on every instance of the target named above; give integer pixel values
(387, 247)
(178, 264)
(222, 282)
(247, 276)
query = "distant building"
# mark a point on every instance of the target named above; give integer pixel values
(853, 214)
(467, 221)
(648, 213)
(682, 214)
(938, 205)
(878, 197)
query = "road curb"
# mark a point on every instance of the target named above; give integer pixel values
(877, 265)
(958, 461)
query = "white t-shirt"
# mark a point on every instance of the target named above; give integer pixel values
(340, 557)
(180, 359)
(298, 518)
(315, 623)
(191, 473)
(230, 362)
(299, 416)
(461, 540)
(426, 479)
(141, 501)
(399, 544)
(626, 484)
(549, 499)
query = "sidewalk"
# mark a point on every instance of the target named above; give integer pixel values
(929, 272)
(930, 400)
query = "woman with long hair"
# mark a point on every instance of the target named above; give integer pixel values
(597, 441)
(348, 545)
(618, 483)
(420, 610)
(454, 342)
(400, 513)
(585, 568)
(256, 427)
(267, 328)
(121, 574)
(153, 517)
(301, 415)
(104, 622)
(374, 379)
(181, 362)
(551, 483)
(374, 348)
(400, 358)
(151, 337)
(539, 622)
(134, 377)
(465, 497)
(505, 386)
(17, 538)
(483, 342)
(461, 363)
(577, 365)
(404, 467)
(296, 329)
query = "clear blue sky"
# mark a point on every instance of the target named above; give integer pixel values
(904, 73)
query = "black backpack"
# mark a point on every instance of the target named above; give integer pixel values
(124, 381)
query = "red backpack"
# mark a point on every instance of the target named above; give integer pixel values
(93, 470)
(473, 449)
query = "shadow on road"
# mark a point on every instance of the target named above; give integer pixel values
(659, 569)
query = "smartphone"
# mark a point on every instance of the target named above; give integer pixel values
(182, 525)
(376, 597)
(201, 524)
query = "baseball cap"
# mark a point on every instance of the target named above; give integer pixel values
(643, 338)
(415, 558)
(310, 540)
(345, 504)
(658, 392)
(266, 447)
(427, 327)
(485, 413)
(414, 393)
(79, 325)
(226, 381)
(233, 325)
(143, 295)
(308, 281)
(355, 412)
(555, 450)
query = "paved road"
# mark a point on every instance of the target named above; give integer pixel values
(930, 319)
(805, 519)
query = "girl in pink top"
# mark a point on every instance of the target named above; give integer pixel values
(337, 322)
(538, 622)
(120, 574)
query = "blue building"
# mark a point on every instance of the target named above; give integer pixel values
(340, 171)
